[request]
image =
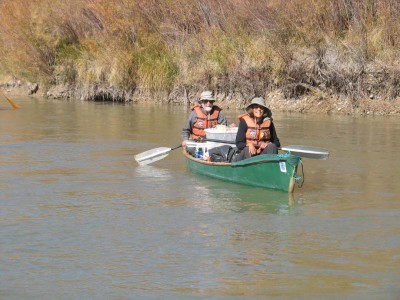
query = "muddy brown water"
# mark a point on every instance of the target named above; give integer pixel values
(80, 219)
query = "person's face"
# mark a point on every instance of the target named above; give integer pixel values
(258, 110)
(207, 104)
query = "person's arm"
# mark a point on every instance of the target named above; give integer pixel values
(274, 136)
(241, 135)
(222, 119)
(187, 129)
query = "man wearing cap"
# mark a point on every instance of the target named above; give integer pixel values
(203, 115)
(256, 133)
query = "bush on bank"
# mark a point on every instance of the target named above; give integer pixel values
(135, 50)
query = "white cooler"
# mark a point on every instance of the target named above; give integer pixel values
(223, 133)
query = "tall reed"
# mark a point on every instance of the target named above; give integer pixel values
(332, 46)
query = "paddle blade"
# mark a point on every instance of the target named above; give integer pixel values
(307, 151)
(152, 155)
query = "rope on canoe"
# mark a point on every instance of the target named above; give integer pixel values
(297, 177)
(295, 160)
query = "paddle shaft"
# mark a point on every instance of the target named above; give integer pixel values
(156, 154)
(302, 151)
(13, 104)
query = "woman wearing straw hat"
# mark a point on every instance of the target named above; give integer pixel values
(256, 133)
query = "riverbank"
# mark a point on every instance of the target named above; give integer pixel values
(276, 100)
(328, 57)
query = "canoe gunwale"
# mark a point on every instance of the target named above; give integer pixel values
(205, 162)
(260, 159)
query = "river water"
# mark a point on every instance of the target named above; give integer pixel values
(79, 219)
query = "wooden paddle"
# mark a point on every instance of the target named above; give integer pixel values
(153, 155)
(13, 104)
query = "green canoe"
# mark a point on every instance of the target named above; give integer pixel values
(273, 171)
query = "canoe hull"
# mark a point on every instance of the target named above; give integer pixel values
(268, 171)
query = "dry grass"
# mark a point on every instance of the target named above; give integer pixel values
(244, 47)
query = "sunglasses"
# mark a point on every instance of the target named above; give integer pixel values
(207, 101)
(257, 107)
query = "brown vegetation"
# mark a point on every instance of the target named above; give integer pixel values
(337, 54)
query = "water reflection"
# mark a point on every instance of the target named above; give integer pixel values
(219, 195)
(210, 195)
(148, 172)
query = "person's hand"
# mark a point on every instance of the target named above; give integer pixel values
(232, 125)
(264, 145)
(252, 149)
(184, 143)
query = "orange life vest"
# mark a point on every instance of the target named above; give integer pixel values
(257, 134)
(204, 121)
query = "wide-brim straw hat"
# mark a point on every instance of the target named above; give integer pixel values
(258, 101)
(207, 95)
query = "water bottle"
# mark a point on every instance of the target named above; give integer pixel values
(199, 153)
